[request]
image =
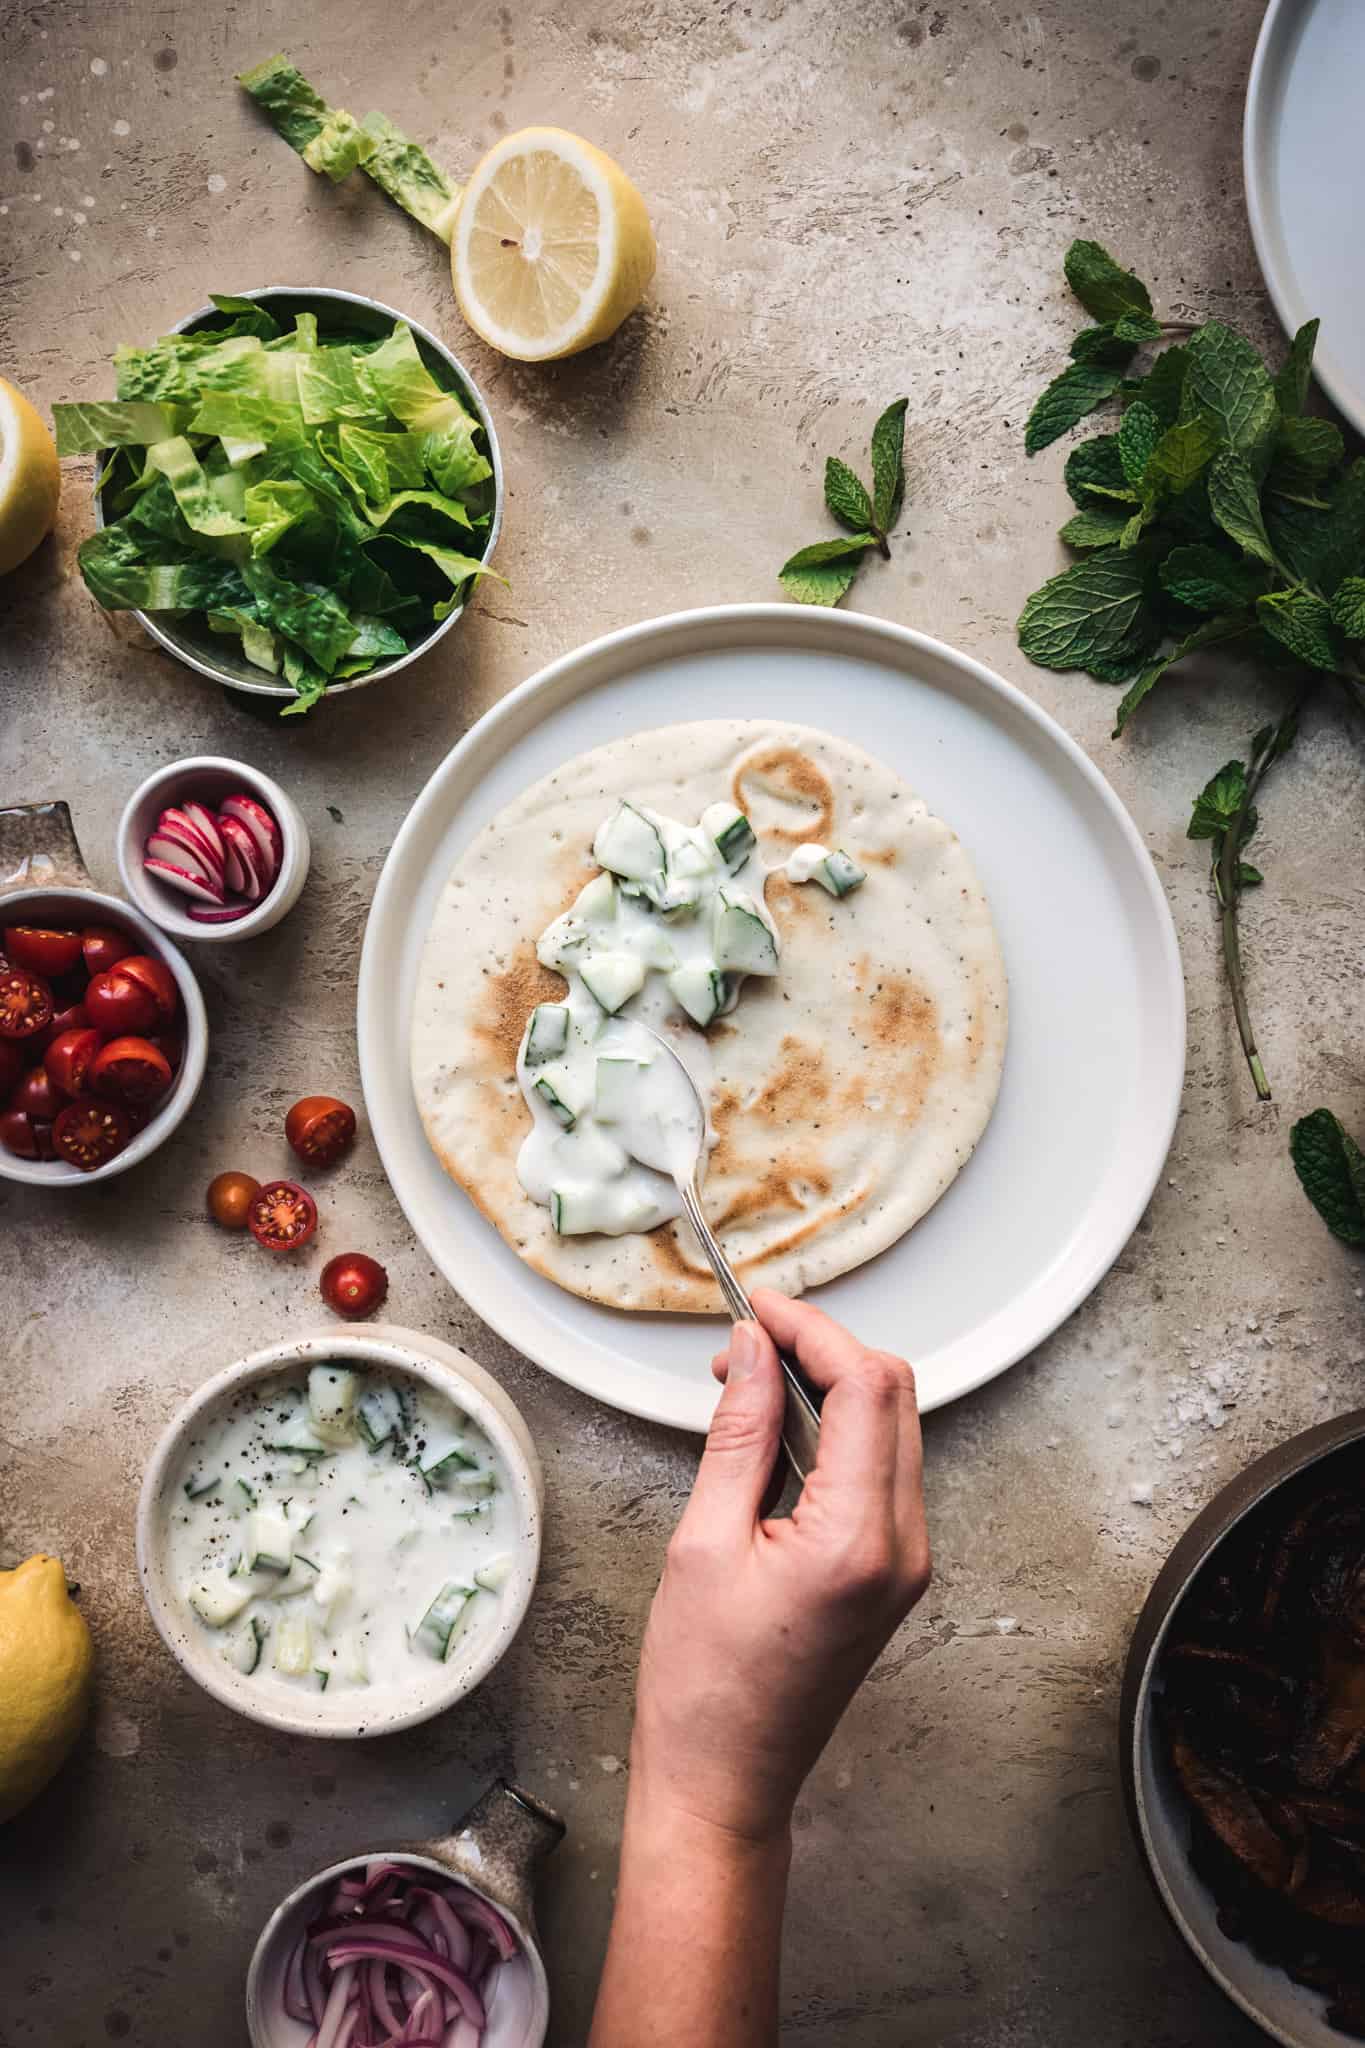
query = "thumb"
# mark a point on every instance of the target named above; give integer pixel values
(742, 1443)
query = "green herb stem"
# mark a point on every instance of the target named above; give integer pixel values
(1228, 888)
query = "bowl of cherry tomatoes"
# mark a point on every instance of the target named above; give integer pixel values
(103, 1036)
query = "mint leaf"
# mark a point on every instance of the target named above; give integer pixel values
(846, 497)
(821, 583)
(1303, 624)
(1095, 469)
(1348, 607)
(1228, 380)
(1311, 447)
(1181, 455)
(1248, 877)
(1103, 345)
(822, 551)
(1205, 635)
(888, 465)
(1291, 386)
(1093, 613)
(1235, 502)
(1094, 527)
(1341, 543)
(1105, 290)
(1207, 580)
(1331, 1170)
(1139, 432)
(1217, 805)
(1137, 327)
(1067, 399)
(1164, 383)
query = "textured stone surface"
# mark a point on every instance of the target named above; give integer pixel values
(850, 202)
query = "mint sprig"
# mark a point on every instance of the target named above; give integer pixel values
(821, 573)
(1331, 1168)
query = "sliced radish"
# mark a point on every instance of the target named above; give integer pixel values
(234, 874)
(181, 878)
(227, 914)
(248, 856)
(262, 828)
(163, 846)
(202, 818)
(177, 824)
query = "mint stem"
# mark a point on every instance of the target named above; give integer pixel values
(1228, 889)
(881, 543)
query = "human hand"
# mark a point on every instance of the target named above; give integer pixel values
(762, 1631)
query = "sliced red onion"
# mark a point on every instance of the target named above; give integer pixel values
(182, 879)
(247, 854)
(260, 825)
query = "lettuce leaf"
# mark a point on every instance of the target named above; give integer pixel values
(124, 576)
(81, 429)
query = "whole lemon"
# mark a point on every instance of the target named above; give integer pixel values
(45, 1662)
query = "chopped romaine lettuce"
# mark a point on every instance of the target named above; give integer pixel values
(301, 490)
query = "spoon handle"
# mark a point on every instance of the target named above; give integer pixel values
(801, 1416)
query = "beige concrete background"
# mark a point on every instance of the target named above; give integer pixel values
(851, 202)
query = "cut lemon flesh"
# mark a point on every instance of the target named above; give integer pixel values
(552, 246)
(30, 481)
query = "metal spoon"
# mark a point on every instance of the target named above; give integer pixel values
(801, 1417)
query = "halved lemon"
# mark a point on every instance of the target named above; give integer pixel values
(30, 481)
(552, 246)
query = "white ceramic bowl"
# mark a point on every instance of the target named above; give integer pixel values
(342, 1714)
(210, 777)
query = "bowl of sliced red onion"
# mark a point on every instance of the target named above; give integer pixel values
(211, 848)
(426, 1947)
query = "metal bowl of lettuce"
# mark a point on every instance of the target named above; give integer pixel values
(296, 492)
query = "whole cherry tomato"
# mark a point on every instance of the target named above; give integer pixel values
(39, 950)
(68, 1059)
(23, 1137)
(229, 1197)
(282, 1216)
(117, 1004)
(88, 1133)
(353, 1284)
(156, 977)
(11, 1064)
(25, 1006)
(320, 1128)
(130, 1070)
(37, 1095)
(75, 1017)
(101, 946)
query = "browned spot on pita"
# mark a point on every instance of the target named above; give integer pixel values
(793, 781)
(511, 996)
(803, 1231)
(884, 857)
(855, 1095)
(788, 903)
(905, 1018)
(775, 1188)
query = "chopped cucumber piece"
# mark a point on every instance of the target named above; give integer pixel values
(379, 1416)
(332, 1392)
(243, 1497)
(576, 1211)
(439, 1626)
(217, 1599)
(700, 989)
(331, 1590)
(269, 1541)
(744, 941)
(654, 949)
(611, 979)
(561, 944)
(597, 898)
(673, 896)
(617, 1090)
(690, 859)
(294, 1645)
(199, 1489)
(479, 1484)
(355, 1663)
(559, 1110)
(446, 1465)
(840, 875)
(629, 844)
(494, 1575)
(547, 1034)
(299, 1442)
(242, 1650)
(731, 831)
(301, 1577)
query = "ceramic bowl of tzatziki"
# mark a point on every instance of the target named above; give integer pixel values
(340, 1535)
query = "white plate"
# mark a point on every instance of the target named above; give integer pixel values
(1097, 1013)
(1303, 150)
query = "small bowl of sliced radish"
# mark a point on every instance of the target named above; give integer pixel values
(210, 848)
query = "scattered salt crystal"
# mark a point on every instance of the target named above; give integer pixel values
(98, 67)
(1006, 1625)
(1252, 1324)
(88, 200)
(1114, 1416)
(48, 127)
(610, 1764)
(1140, 1493)
(216, 182)
(123, 127)
(74, 254)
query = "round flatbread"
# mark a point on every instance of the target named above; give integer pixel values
(849, 1090)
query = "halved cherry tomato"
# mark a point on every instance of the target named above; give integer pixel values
(116, 1003)
(320, 1129)
(172, 1044)
(229, 1198)
(39, 950)
(130, 1070)
(25, 1006)
(43, 1139)
(282, 1216)
(75, 1017)
(353, 1284)
(11, 1063)
(68, 1059)
(156, 977)
(38, 1095)
(17, 1134)
(88, 1133)
(102, 946)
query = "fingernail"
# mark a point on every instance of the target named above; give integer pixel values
(744, 1351)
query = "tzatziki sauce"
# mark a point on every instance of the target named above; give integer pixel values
(664, 936)
(341, 1528)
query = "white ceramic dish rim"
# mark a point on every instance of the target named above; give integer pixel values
(276, 1926)
(1281, 19)
(453, 1373)
(230, 681)
(56, 1173)
(1000, 1344)
(154, 898)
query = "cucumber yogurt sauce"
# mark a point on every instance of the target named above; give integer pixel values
(341, 1528)
(670, 928)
